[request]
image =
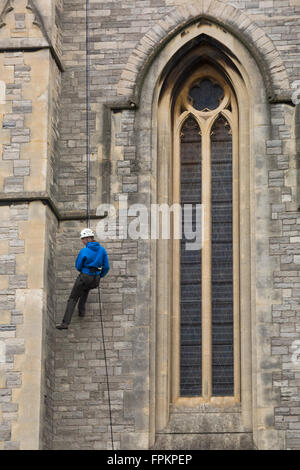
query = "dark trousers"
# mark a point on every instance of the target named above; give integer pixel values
(83, 284)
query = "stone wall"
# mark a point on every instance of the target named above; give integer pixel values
(29, 67)
(81, 416)
(22, 311)
(11, 345)
(116, 30)
(53, 130)
(285, 246)
(48, 353)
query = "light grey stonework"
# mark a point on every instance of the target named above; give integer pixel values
(12, 345)
(115, 33)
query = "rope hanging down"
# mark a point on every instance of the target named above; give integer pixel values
(88, 188)
(88, 110)
(106, 370)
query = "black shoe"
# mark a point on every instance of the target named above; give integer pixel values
(62, 326)
(81, 314)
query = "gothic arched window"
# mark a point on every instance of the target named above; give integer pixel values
(205, 152)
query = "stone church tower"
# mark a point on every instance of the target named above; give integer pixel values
(188, 102)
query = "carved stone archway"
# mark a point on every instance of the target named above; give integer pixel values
(154, 93)
(222, 14)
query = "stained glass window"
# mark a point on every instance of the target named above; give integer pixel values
(190, 267)
(222, 267)
(191, 302)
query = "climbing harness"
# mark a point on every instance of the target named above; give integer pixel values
(88, 189)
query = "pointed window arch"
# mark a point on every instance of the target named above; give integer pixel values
(206, 50)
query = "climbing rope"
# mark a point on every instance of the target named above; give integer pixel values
(88, 110)
(88, 189)
(106, 371)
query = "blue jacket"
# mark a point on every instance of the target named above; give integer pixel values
(92, 256)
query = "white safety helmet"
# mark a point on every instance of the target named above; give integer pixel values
(87, 232)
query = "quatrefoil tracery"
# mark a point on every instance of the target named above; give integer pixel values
(206, 95)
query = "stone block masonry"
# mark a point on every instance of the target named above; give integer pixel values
(24, 313)
(80, 401)
(16, 132)
(26, 123)
(116, 31)
(30, 85)
(285, 246)
(48, 358)
(12, 344)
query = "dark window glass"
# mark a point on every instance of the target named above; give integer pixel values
(190, 267)
(206, 96)
(222, 261)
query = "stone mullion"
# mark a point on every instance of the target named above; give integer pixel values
(206, 262)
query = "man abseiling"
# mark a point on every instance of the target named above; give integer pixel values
(92, 263)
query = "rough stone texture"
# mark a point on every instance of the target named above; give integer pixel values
(19, 133)
(285, 315)
(53, 131)
(49, 346)
(29, 116)
(252, 35)
(11, 345)
(121, 38)
(205, 441)
(80, 397)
